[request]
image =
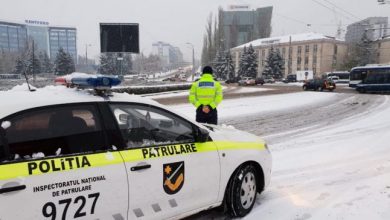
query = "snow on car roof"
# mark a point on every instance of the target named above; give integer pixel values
(19, 98)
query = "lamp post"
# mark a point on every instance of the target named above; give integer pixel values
(193, 60)
(86, 53)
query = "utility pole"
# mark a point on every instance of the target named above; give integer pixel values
(120, 59)
(86, 53)
(33, 58)
(193, 60)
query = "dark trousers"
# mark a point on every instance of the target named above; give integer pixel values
(209, 118)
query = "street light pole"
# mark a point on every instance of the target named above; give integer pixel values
(193, 60)
(86, 53)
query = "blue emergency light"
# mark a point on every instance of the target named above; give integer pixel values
(96, 82)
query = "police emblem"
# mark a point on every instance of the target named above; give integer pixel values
(173, 177)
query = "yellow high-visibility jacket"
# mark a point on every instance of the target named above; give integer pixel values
(206, 91)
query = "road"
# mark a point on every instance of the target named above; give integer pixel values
(323, 168)
(231, 92)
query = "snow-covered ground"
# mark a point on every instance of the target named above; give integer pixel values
(255, 105)
(241, 90)
(335, 167)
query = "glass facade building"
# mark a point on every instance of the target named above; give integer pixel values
(62, 37)
(40, 36)
(242, 26)
(13, 37)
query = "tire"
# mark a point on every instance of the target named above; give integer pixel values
(241, 191)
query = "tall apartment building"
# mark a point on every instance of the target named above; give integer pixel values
(170, 56)
(307, 51)
(14, 37)
(241, 24)
(375, 27)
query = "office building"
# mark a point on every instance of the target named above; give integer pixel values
(241, 24)
(374, 27)
(62, 37)
(308, 51)
(170, 56)
(13, 37)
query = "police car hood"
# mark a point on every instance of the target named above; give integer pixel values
(229, 133)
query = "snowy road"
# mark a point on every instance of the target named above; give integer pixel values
(331, 154)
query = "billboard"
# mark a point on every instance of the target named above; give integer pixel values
(119, 37)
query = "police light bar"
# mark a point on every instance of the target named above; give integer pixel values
(96, 82)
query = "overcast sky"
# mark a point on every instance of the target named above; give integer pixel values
(180, 21)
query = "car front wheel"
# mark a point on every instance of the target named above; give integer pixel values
(241, 192)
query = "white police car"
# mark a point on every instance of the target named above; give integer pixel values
(69, 154)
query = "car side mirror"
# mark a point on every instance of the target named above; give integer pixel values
(123, 118)
(5, 124)
(203, 135)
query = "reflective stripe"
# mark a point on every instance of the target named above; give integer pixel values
(38, 167)
(205, 96)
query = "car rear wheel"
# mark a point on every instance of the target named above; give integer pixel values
(241, 192)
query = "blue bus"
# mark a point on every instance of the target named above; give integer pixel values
(373, 78)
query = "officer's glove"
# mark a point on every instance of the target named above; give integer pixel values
(206, 109)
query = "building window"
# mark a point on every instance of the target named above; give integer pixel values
(314, 60)
(306, 60)
(284, 52)
(263, 53)
(315, 48)
(307, 48)
(299, 60)
(299, 50)
(335, 49)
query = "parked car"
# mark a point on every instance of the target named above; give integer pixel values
(319, 84)
(247, 81)
(269, 80)
(291, 78)
(335, 79)
(233, 80)
(259, 81)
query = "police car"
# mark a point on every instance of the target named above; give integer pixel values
(67, 153)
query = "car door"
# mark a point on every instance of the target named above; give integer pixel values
(55, 164)
(169, 172)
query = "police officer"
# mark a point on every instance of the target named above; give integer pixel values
(205, 95)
